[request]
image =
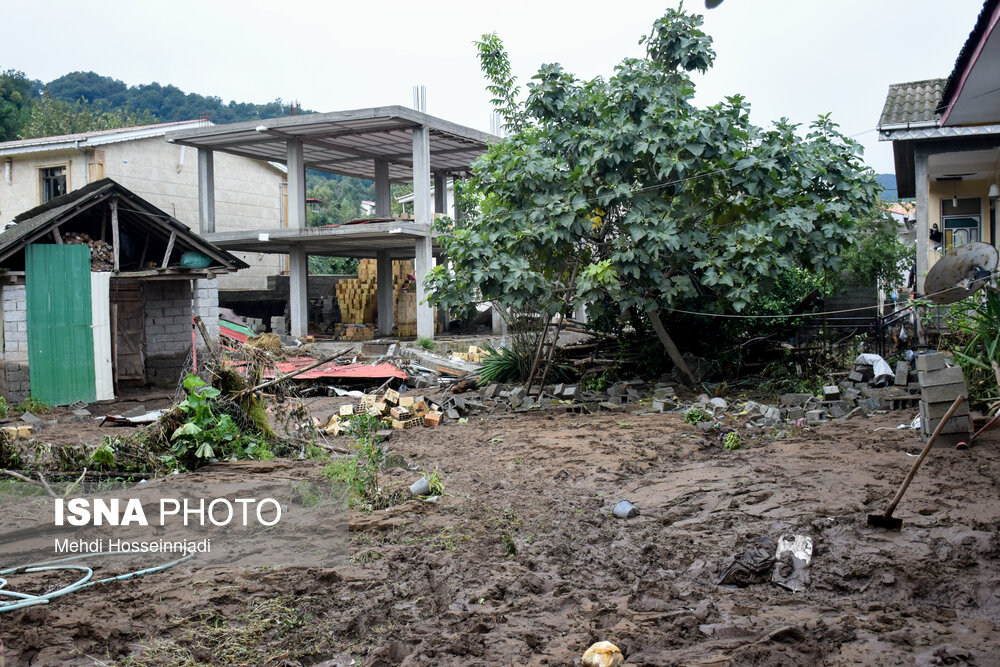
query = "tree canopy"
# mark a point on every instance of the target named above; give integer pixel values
(17, 95)
(622, 191)
(51, 117)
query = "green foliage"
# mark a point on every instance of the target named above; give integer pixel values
(17, 95)
(504, 364)
(35, 406)
(53, 117)
(359, 471)
(208, 433)
(878, 256)
(732, 440)
(328, 266)
(696, 416)
(434, 483)
(167, 102)
(653, 202)
(104, 456)
(426, 343)
(976, 335)
(4, 408)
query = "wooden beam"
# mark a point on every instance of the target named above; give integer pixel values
(142, 255)
(57, 236)
(170, 249)
(115, 240)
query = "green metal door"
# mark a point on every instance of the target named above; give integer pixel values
(60, 334)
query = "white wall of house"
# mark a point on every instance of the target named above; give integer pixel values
(941, 191)
(247, 192)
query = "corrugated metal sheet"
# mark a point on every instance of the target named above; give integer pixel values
(60, 337)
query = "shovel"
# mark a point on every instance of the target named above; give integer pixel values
(888, 521)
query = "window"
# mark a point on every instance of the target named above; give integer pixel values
(961, 221)
(53, 182)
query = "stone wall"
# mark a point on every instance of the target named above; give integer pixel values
(15, 384)
(168, 329)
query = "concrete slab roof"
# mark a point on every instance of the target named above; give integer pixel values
(348, 142)
(363, 240)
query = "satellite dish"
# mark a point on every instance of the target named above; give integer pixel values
(712, 4)
(962, 272)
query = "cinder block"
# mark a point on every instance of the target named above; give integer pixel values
(954, 425)
(16, 316)
(432, 419)
(902, 371)
(941, 376)
(943, 393)
(936, 410)
(930, 362)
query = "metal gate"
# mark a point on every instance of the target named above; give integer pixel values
(60, 334)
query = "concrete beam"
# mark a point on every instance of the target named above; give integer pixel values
(383, 196)
(384, 293)
(296, 185)
(206, 191)
(298, 291)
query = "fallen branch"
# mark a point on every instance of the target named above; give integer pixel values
(288, 376)
(21, 477)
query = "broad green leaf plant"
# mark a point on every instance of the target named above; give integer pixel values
(648, 200)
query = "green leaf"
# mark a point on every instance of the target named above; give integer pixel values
(188, 429)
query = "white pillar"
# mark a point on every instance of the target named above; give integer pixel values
(424, 259)
(298, 284)
(296, 185)
(383, 198)
(206, 191)
(422, 264)
(923, 215)
(499, 323)
(385, 296)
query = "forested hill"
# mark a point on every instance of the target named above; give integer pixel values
(165, 102)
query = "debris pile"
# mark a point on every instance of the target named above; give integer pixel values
(395, 411)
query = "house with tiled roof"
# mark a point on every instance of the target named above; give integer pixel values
(945, 135)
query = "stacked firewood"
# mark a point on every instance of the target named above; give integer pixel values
(102, 255)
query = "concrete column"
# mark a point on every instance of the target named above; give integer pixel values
(384, 290)
(206, 191)
(296, 187)
(424, 259)
(298, 283)
(383, 197)
(499, 323)
(440, 193)
(923, 215)
(422, 264)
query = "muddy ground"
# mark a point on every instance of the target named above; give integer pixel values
(522, 564)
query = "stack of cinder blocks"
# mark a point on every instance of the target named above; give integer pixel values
(940, 385)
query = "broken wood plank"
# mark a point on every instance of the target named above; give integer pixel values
(441, 364)
(170, 249)
(115, 236)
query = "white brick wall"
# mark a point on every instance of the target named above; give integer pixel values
(14, 380)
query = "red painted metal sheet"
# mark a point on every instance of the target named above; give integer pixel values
(230, 333)
(334, 370)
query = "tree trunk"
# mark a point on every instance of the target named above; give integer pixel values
(672, 351)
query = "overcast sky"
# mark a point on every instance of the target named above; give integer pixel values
(792, 58)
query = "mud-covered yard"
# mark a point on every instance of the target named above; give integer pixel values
(522, 563)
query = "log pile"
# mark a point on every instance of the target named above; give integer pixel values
(102, 255)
